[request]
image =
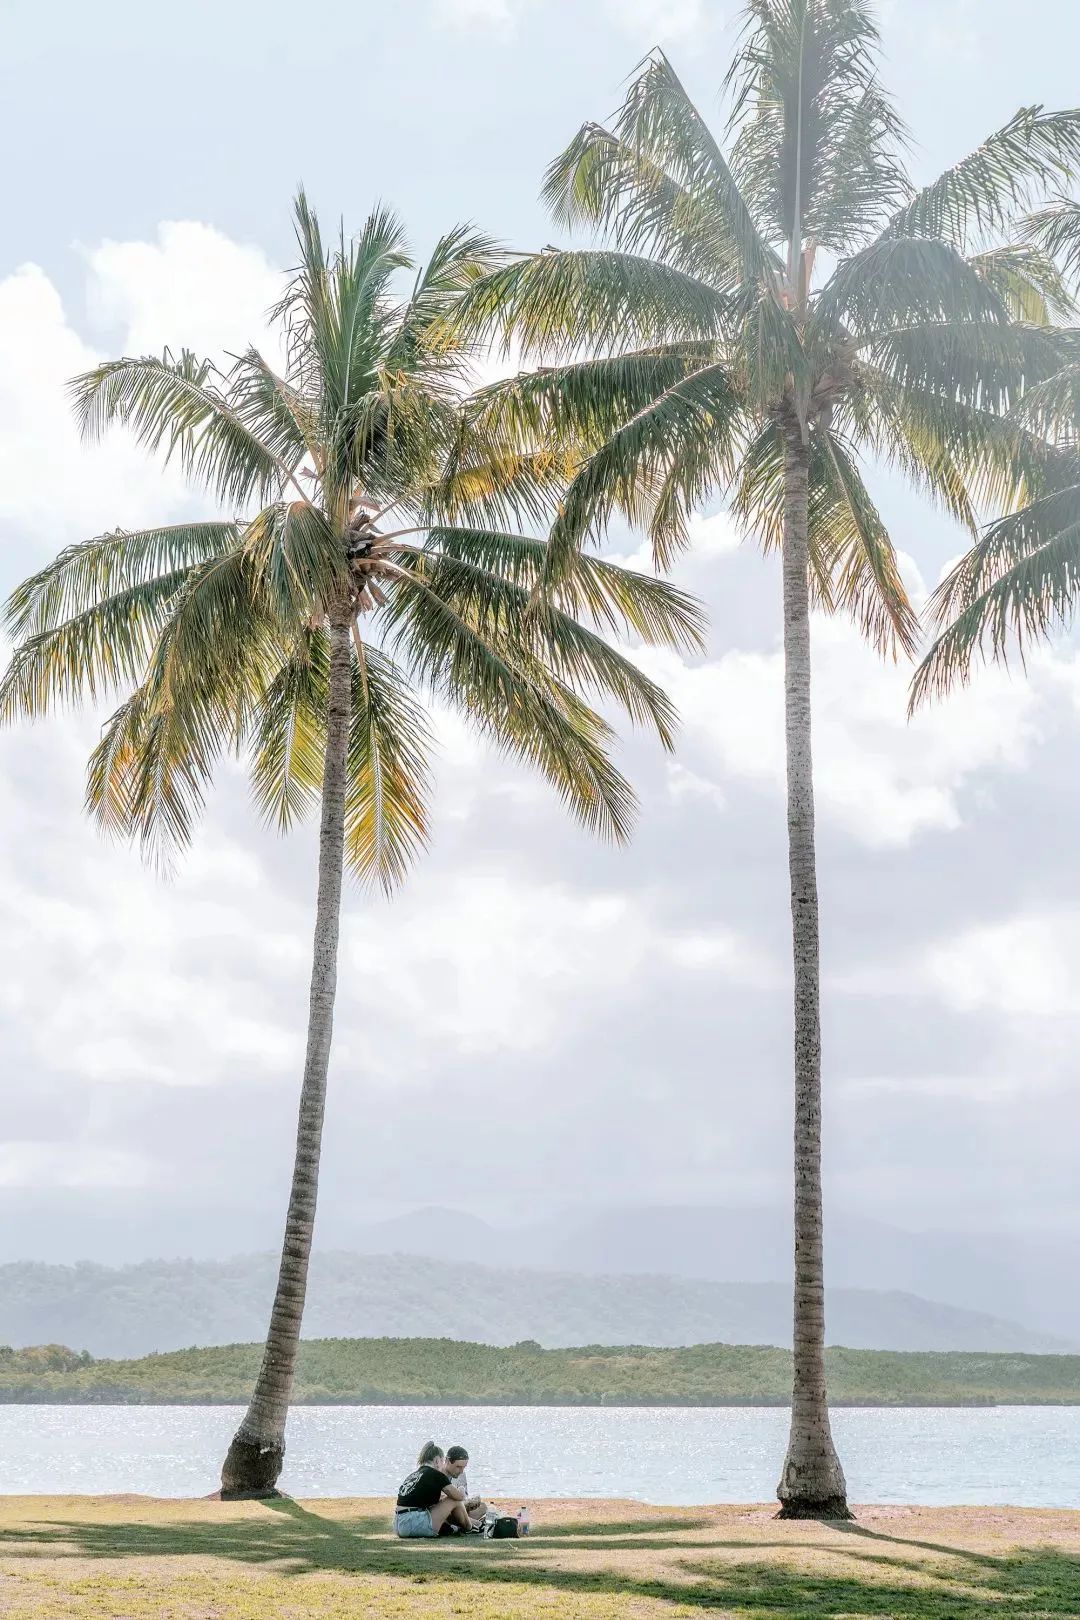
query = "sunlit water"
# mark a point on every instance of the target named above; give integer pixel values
(1027, 1456)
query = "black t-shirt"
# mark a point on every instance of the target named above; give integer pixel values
(423, 1488)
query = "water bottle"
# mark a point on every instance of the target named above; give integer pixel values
(523, 1521)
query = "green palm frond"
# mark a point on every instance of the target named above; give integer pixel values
(1055, 230)
(287, 732)
(149, 773)
(1015, 587)
(583, 401)
(283, 419)
(297, 559)
(515, 701)
(390, 741)
(902, 281)
(964, 458)
(659, 123)
(83, 575)
(1028, 282)
(1036, 151)
(558, 302)
(988, 364)
(1051, 407)
(604, 182)
(457, 260)
(617, 599)
(503, 610)
(816, 153)
(182, 409)
(688, 434)
(856, 553)
(853, 566)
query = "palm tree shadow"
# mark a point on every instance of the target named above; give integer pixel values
(1032, 1584)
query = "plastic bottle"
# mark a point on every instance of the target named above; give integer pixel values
(523, 1521)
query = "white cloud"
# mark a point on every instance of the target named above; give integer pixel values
(480, 14)
(193, 288)
(881, 777)
(492, 962)
(657, 20)
(1028, 964)
(70, 1164)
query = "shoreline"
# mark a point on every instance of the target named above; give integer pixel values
(330, 1402)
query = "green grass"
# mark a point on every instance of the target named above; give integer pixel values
(84, 1558)
(452, 1371)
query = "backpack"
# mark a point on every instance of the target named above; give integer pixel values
(501, 1528)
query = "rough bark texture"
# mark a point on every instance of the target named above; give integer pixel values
(254, 1459)
(812, 1484)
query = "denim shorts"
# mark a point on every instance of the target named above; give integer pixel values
(414, 1522)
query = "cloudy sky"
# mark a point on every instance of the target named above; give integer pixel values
(536, 1021)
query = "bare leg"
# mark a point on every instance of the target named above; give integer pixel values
(442, 1511)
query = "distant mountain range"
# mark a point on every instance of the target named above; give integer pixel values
(169, 1304)
(1026, 1277)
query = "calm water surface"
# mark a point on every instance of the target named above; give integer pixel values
(1027, 1456)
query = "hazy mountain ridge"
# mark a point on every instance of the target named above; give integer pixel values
(164, 1305)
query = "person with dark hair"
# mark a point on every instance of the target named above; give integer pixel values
(456, 1459)
(429, 1503)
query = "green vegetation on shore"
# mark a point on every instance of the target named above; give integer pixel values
(406, 1371)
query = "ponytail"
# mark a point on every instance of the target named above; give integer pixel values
(428, 1454)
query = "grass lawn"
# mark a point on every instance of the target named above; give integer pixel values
(133, 1558)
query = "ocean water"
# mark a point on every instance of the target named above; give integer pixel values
(1026, 1456)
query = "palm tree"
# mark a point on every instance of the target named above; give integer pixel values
(758, 319)
(244, 634)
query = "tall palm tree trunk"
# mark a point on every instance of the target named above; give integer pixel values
(257, 1451)
(812, 1484)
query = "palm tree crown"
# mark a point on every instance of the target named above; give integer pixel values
(217, 632)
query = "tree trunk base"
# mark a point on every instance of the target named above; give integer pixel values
(825, 1507)
(250, 1472)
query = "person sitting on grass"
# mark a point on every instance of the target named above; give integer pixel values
(456, 1459)
(429, 1500)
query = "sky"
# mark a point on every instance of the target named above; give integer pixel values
(537, 1020)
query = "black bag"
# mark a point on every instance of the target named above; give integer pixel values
(502, 1528)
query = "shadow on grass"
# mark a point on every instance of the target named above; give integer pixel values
(954, 1584)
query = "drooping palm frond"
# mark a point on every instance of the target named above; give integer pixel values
(1055, 230)
(987, 364)
(149, 773)
(619, 600)
(1036, 151)
(852, 559)
(680, 446)
(901, 281)
(966, 459)
(502, 610)
(855, 552)
(556, 303)
(287, 732)
(181, 408)
(1020, 583)
(516, 702)
(81, 576)
(1028, 282)
(390, 743)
